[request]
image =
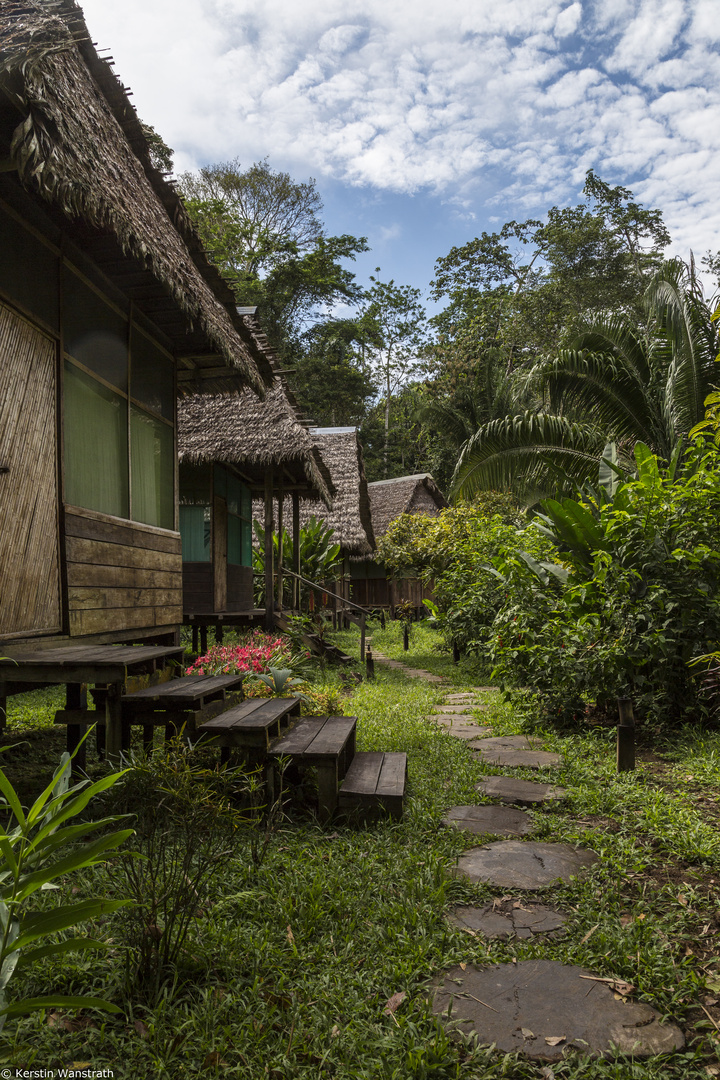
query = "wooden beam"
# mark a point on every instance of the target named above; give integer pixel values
(296, 548)
(269, 619)
(280, 498)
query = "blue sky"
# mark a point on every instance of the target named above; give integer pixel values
(424, 122)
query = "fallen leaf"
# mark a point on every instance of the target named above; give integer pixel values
(142, 1029)
(547, 1073)
(394, 1003)
(710, 1001)
(589, 934)
(641, 917)
(682, 900)
(554, 1040)
(619, 985)
(625, 920)
(463, 966)
(335, 1032)
(213, 1060)
(527, 1033)
(290, 936)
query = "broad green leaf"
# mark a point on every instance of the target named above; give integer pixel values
(75, 861)
(61, 918)
(55, 1001)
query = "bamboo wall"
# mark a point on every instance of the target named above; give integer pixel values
(29, 563)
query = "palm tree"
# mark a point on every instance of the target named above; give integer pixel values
(617, 382)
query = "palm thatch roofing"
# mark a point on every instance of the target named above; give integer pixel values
(75, 141)
(418, 494)
(253, 435)
(349, 517)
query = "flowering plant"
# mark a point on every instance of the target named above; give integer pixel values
(253, 656)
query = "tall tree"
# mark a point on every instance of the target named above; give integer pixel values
(333, 384)
(396, 327)
(263, 230)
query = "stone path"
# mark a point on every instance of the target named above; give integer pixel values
(413, 673)
(507, 918)
(540, 1008)
(490, 820)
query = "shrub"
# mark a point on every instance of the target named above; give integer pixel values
(636, 599)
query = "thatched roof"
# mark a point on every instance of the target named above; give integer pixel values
(350, 514)
(76, 142)
(418, 494)
(239, 430)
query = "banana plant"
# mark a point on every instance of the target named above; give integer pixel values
(36, 848)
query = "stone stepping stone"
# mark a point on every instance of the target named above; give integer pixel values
(508, 918)
(460, 727)
(460, 699)
(541, 1008)
(465, 709)
(492, 820)
(508, 789)
(515, 750)
(517, 864)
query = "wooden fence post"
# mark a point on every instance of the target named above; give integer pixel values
(625, 736)
(369, 664)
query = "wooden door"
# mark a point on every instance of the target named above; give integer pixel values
(29, 561)
(219, 553)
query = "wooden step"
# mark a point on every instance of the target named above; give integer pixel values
(375, 781)
(326, 742)
(254, 724)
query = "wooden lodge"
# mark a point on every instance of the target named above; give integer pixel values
(233, 449)
(109, 310)
(371, 587)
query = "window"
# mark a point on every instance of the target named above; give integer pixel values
(96, 445)
(28, 271)
(119, 408)
(195, 495)
(239, 504)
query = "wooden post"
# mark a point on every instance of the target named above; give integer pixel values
(203, 640)
(456, 652)
(362, 638)
(625, 736)
(369, 664)
(269, 619)
(76, 698)
(281, 499)
(382, 618)
(195, 638)
(113, 723)
(296, 548)
(406, 637)
(219, 633)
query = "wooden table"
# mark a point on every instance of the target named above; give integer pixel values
(77, 665)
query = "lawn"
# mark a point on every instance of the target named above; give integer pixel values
(292, 958)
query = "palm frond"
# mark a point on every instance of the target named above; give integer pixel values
(526, 453)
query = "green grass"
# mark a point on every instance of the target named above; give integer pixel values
(290, 964)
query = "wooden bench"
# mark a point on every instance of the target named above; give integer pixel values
(375, 781)
(328, 743)
(252, 726)
(189, 701)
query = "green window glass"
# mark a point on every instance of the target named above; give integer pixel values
(94, 333)
(153, 469)
(152, 375)
(96, 449)
(239, 504)
(195, 533)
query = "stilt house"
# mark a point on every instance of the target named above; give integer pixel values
(108, 310)
(418, 494)
(233, 449)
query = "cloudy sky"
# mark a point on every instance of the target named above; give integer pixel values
(424, 122)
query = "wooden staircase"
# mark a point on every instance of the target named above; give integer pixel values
(270, 732)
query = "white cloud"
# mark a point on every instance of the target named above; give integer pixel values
(407, 96)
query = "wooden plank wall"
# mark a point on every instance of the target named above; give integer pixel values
(120, 575)
(239, 588)
(29, 563)
(197, 579)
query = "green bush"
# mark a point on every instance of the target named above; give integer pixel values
(633, 602)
